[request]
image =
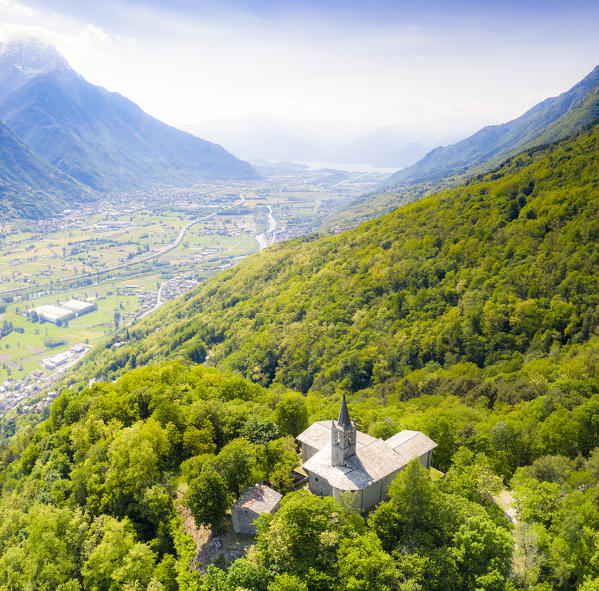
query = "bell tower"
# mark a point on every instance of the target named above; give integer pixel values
(343, 436)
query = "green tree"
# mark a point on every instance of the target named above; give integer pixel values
(236, 463)
(115, 558)
(482, 551)
(208, 499)
(363, 565)
(287, 582)
(305, 534)
(416, 513)
(291, 414)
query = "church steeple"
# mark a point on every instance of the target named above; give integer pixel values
(343, 436)
(344, 419)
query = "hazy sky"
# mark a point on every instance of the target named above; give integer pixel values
(449, 64)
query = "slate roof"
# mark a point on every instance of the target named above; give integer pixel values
(374, 458)
(259, 499)
(410, 444)
(369, 464)
(318, 435)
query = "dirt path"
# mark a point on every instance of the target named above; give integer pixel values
(210, 547)
(505, 502)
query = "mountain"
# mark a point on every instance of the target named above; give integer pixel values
(494, 272)
(20, 61)
(386, 147)
(305, 140)
(446, 167)
(550, 120)
(29, 186)
(98, 137)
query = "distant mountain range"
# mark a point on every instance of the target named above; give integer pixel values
(305, 140)
(445, 167)
(552, 119)
(98, 138)
(29, 186)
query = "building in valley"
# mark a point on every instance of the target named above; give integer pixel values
(65, 312)
(338, 458)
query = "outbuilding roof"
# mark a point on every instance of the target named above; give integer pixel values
(259, 499)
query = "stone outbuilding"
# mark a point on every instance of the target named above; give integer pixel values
(251, 504)
(338, 458)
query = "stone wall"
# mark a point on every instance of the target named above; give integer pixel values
(243, 521)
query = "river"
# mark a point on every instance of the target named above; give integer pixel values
(263, 238)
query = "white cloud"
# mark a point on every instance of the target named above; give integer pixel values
(202, 68)
(15, 9)
(93, 33)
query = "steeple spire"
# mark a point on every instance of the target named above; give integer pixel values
(343, 437)
(344, 419)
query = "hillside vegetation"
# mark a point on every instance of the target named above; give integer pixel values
(471, 316)
(91, 499)
(495, 273)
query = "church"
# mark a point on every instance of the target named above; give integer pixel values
(338, 458)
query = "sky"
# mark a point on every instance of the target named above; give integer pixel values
(440, 68)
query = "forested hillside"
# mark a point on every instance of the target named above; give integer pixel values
(471, 316)
(498, 272)
(93, 498)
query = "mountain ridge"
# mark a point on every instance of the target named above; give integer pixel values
(29, 186)
(101, 138)
(499, 140)
(445, 167)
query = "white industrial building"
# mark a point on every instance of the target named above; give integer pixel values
(54, 314)
(66, 311)
(78, 306)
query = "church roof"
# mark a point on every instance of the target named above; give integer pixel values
(374, 458)
(318, 435)
(369, 464)
(410, 443)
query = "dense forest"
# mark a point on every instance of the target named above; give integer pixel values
(500, 271)
(92, 498)
(471, 316)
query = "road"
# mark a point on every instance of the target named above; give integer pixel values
(136, 261)
(170, 246)
(352, 179)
